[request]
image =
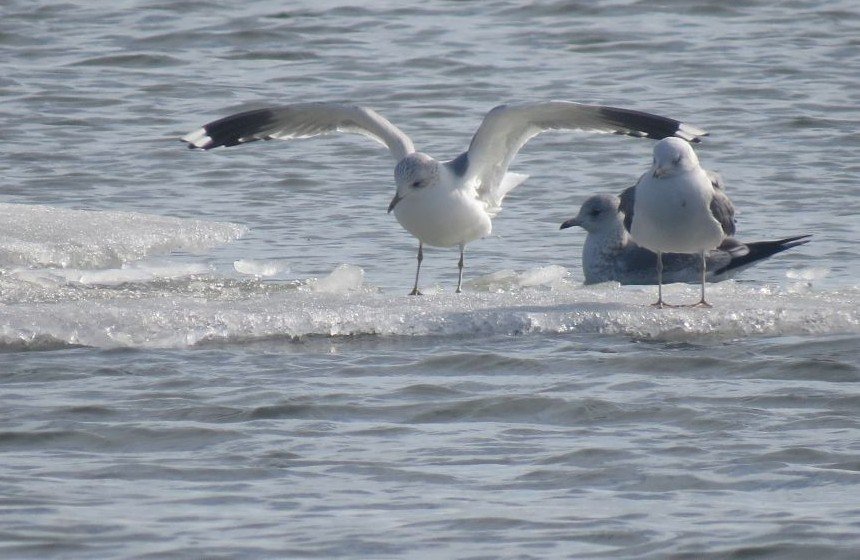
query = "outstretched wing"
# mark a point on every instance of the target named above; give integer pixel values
(300, 120)
(507, 128)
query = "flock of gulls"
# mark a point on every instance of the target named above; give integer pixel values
(674, 225)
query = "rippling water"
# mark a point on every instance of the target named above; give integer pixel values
(211, 354)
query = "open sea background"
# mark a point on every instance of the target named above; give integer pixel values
(211, 355)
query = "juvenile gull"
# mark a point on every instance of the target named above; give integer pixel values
(450, 203)
(678, 207)
(610, 254)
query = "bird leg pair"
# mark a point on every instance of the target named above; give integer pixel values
(660, 304)
(415, 291)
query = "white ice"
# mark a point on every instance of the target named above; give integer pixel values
(260, 268)
(208, 309)
(46, 236)
(344, 278)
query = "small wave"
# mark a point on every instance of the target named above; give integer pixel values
(281, 55)
(130, 61)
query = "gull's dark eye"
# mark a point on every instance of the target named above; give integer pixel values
(416, 184)
(677, 160)
(594, 213)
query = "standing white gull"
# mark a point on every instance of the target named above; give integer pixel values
(678, 207)
(451, 203)
(609, 254)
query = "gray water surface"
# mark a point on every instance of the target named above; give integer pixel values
(212, 354)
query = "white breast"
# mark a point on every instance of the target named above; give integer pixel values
(674, 214)
(444, 214)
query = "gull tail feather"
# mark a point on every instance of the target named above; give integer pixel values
(494, 198)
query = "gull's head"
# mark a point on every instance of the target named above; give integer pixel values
(597, 213)
(412, 174)
(672, 156)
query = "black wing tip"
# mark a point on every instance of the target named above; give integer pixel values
(648, 125)
(760, 250)
(779, 245)
(232, 130)
(795, 241)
